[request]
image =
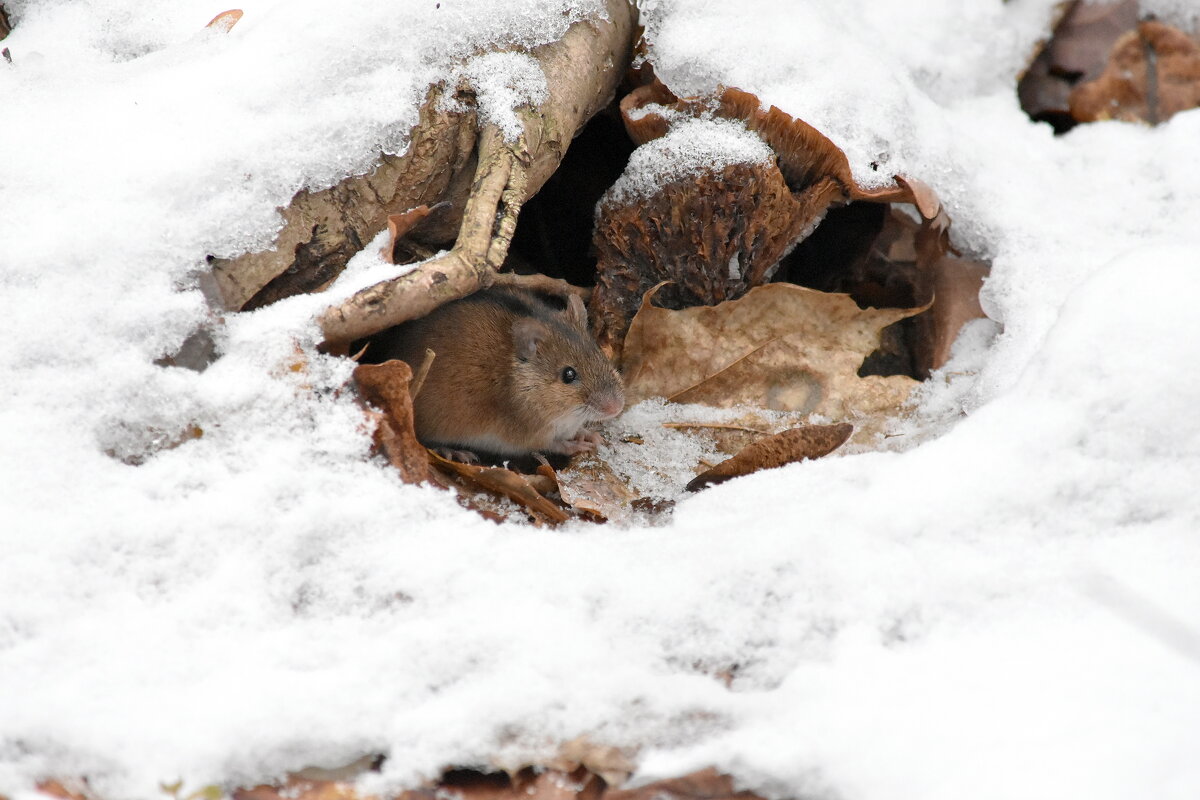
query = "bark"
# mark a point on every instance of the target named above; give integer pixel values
(484, 178)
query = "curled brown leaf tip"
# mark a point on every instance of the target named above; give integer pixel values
(796, 444)
(386, 386)
(225, 21)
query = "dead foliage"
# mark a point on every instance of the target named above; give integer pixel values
(506, 482)
(386, 387)
(781, 347)
(1103, 63)
(225, 21)
(1152, 74)
(565, 778)
(712, 237)
(796, 444)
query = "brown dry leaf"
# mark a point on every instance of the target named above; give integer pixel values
(225, 21)
(1152, 74)
(956, 283)
(609, 762)
(302, 789)
(1075, 53)
(707, 784)
(781, 347)
(400, 249)
(503, 481)
(65, 790)
(386, 387)
(592, 488)
(796, 444)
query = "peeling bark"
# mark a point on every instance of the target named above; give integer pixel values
(484, 178)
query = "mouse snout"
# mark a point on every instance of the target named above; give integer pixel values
(609, 403)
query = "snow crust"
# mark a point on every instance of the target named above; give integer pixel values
(1006, 611)
(690, 147)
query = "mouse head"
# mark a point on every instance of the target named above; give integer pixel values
(561, 372)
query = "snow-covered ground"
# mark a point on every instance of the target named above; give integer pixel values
(1011, 610)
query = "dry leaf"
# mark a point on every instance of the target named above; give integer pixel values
(591, 487)
(400, 249)
(781, 347)
(301, 789)
(707, 784)
(1075, 53)
(1152, 74)
(225, 21)
(609, 762)
(505, 482)
(65, 790)
(956, 283)
(386, 387)
(797, 444)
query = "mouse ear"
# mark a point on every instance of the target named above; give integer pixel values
(527, 334)
(577, 313)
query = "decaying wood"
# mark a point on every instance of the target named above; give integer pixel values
(482, 176)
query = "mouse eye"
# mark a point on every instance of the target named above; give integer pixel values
(569, 375)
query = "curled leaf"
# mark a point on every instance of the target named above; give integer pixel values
(796, 444)
(503, 481)
(386, 387)
(225, 21)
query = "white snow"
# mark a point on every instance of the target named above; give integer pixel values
(1006, 611)
(691, 146)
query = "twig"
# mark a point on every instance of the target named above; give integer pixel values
(418, 381)
(718, 425)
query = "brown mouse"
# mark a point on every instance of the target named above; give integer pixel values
(512, 376)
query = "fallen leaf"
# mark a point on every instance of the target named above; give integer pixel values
(302, 789)
(225, 21)
(1152, 74)
(610, 763)
(796, 444)
(956, 283)
(65, 789)
(706, 784)
(780, 347)
(1076, 52)
(385, 386)
(401, 250)
(505, 482)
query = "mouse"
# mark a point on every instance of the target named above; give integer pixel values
(513, 375)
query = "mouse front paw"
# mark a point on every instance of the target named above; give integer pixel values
(583, 442)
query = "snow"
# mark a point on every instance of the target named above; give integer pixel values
(690, 147)
(1006, 610)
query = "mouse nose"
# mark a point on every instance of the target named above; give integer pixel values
(610, 404)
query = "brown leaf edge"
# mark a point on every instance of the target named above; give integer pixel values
(400, 249)
(794, 444)
(225, 21)
(506, 482)
(386, 386)
(1153, 73)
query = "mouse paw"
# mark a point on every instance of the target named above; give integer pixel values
(461, 456)
(583, 442)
